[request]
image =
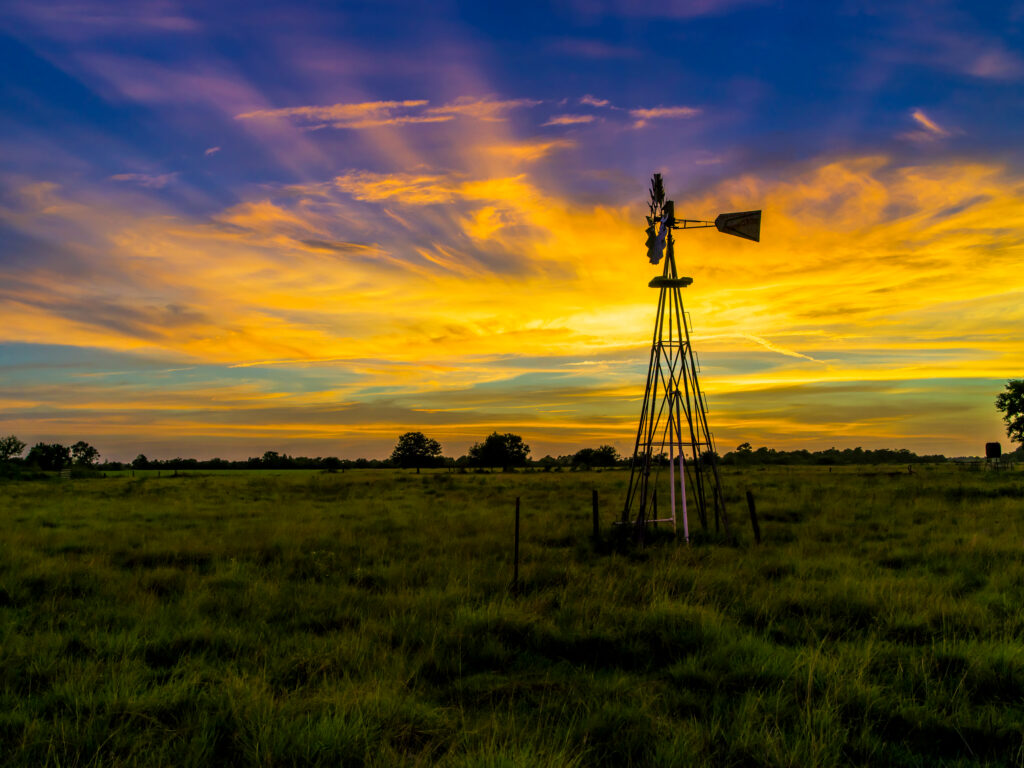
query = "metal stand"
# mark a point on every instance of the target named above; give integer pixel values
(673, 422)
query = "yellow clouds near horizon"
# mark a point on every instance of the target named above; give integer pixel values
(855, 254)
(475, 298)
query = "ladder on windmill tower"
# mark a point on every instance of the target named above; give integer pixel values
(673, 440)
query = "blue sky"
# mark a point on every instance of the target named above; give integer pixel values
(229, 228)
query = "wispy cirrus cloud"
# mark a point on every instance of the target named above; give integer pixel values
(998, 64)
(669, 9)
(643, 116)
(593, 101)
(928, 129)
(588, 48)
(768, 344)
(147, 180)
(947, 37)
(334, 112)
(488, 108)
(408, 188)
(84, 19)
(928, 124)
(384, 121)
(377, 114)
(528, 151)
(569, 120)
(355, 115)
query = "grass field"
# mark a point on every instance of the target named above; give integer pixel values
(364, 618)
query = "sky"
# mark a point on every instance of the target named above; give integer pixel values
(227, 228)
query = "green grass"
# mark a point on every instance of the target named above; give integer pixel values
(364, 619)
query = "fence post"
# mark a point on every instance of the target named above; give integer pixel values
(753, 517)
(515, 556)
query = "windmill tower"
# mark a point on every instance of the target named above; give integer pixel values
(673, 439)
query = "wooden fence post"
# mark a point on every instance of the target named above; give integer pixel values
(753, 517)
(515, 556)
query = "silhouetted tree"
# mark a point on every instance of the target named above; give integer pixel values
(414, 449)
(744, 454)
(1011, 404)
(709, 459)
(83, 454)
(49, 456)
(505, 451)
(10, 448)
(605, 456)
(548, 462)
(275, 460)
(140, 462)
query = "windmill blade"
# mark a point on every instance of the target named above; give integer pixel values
(656, 242)
(657, 192)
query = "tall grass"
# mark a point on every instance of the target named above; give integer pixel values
(365, 619)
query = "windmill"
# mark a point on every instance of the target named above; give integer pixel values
(673, 426)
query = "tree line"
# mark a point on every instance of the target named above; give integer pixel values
(745, 455)
(415, 450)
(48, 456)
(507, 451)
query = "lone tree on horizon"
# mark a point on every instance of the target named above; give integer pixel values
(10, 448)
(505, 451)
(84, 455)
(1011, 404)
(414, 449)
(605, 456)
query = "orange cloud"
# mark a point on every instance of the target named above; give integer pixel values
(355, 116)
(437, 283)
(929, 131)
(569, 120)
(377, 114)
(407, 188)
(929, 125)
(528, 151)
(487, 108)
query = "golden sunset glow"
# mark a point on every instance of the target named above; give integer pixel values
(481, 269)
